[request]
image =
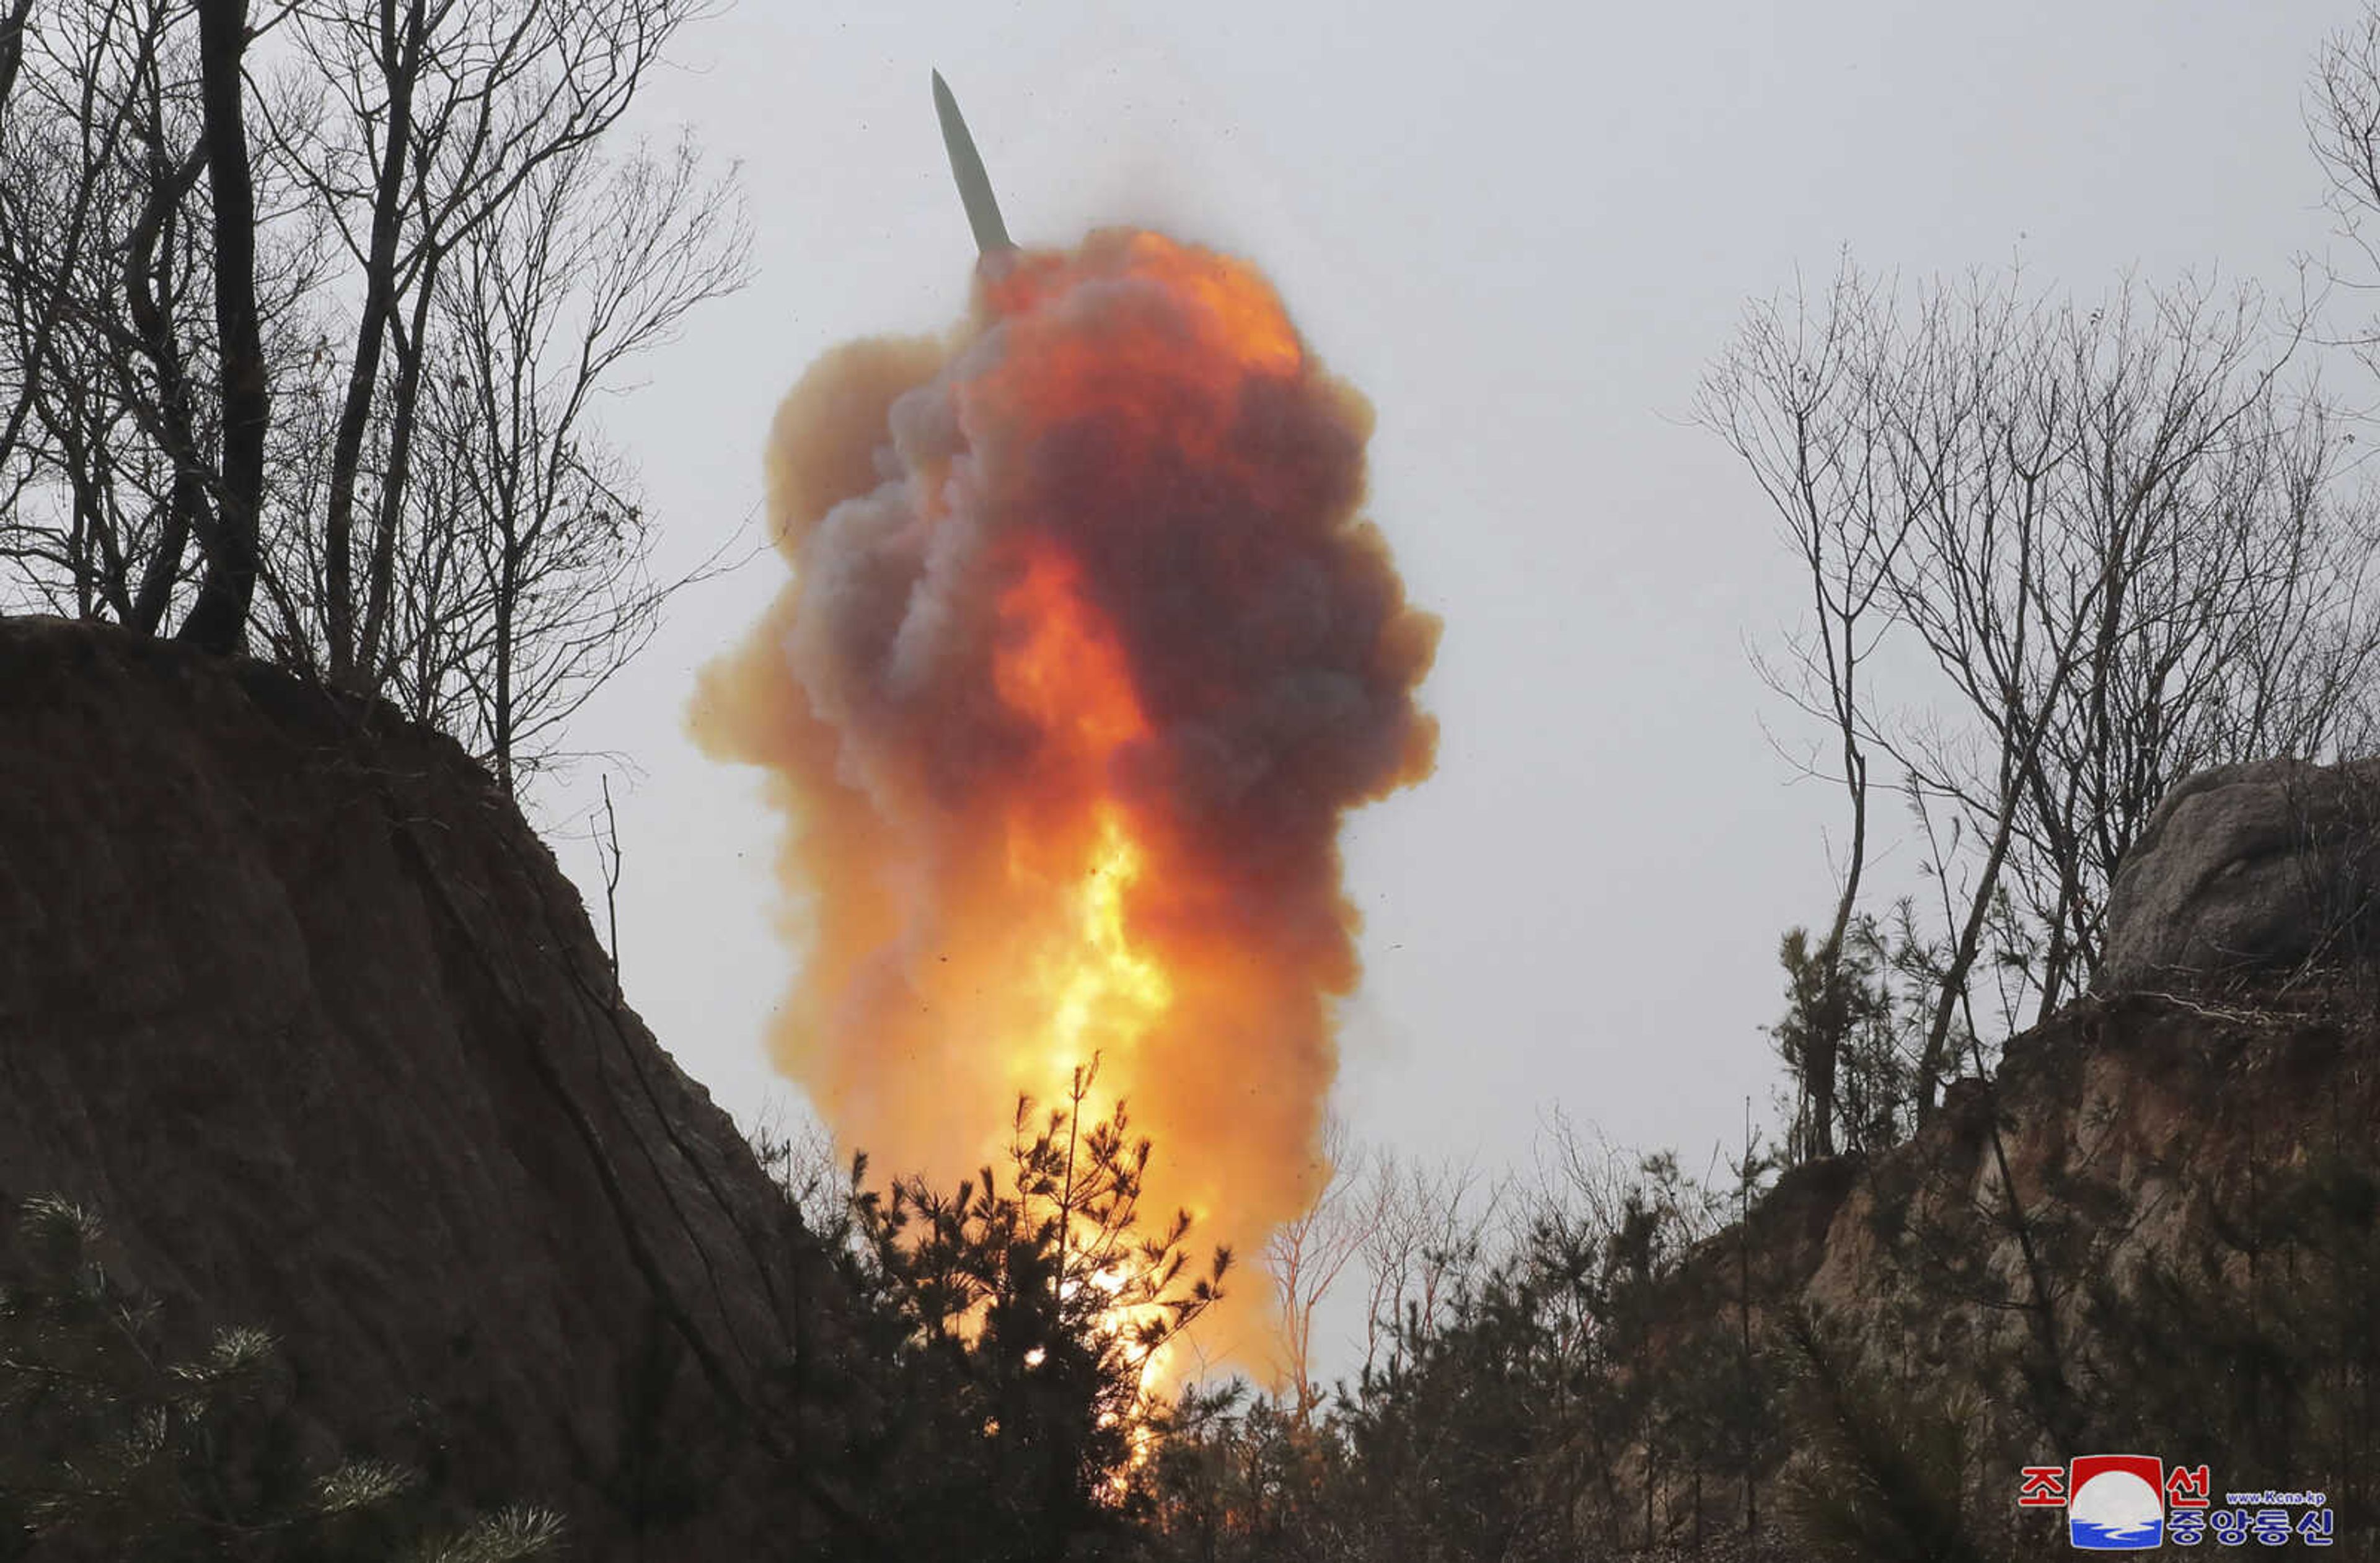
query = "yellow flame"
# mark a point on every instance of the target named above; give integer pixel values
(1106, 994)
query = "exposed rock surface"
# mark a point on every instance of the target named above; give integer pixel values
(292, 998)
(2140, 1131)
(2130, 1115)
(2125, 1122)
(2247, 867)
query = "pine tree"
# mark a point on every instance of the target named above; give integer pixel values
(112, 1446)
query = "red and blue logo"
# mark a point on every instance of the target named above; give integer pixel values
(2115, 1503)
(2132, 1503)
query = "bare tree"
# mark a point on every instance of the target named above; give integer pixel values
(1425, 1239)
(310, 332)
(1306, 1256)
(1791, 399)
(2094, 548)
(218, 618)
(430, 118)
(590, 265)
(12, 48)
(2343, 124)
(105, 437)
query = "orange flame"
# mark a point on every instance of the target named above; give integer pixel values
(1085, 654)
(1056, 665)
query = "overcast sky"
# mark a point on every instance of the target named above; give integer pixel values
(1524, 231)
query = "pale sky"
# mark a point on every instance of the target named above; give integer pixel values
(1524, 231)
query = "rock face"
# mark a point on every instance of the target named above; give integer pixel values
(2028, 1261)
(292, 998)
(2247, 867)
(2142, 1133)
(2138, 1129)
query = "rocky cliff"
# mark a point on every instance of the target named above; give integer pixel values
(292, 997)
(2158, 1226)
(2134, 1129)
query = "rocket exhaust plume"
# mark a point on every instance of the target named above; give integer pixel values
(1085, 654)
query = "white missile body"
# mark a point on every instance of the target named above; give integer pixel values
(967, 167)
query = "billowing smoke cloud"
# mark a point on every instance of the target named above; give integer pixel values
(1085, 654)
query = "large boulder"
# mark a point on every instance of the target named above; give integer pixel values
(2254, 867)
(294, 1000)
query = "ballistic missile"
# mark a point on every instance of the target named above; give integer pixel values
(967, 167)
